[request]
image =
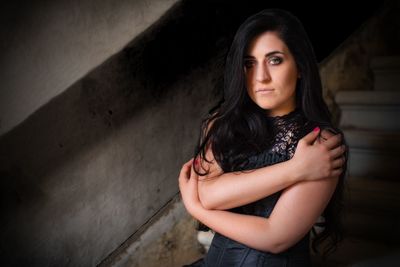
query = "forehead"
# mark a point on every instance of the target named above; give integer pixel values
(266, 42)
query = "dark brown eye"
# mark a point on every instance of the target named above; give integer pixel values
(248, 64)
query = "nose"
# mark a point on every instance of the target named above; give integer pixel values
(262, 73)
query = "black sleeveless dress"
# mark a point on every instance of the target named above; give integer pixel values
(223, 251)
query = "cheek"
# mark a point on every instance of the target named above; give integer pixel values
(248, 77)
(289, 80)
(250, 92)
(249, 82)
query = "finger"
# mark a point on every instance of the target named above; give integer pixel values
(193, 182)
(320, 139)
(193, 174)
(326, 133)
(337, 172)
(183, 178)
(189, 164)
(189, 161)
(184, 173)
(333, 141)
(338, 163)
(184, 169)
(311, 136)
(337, 151)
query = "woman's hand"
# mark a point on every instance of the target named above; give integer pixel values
(319, 157)
(188, 187)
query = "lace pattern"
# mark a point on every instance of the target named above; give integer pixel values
(288, 129)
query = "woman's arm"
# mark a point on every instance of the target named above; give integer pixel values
(223, 191)
(293, 216)
(234, 189)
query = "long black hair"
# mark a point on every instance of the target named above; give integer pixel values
(239, 129)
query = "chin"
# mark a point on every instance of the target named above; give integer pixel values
(265, 106)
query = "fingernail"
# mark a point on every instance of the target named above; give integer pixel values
(316, 129)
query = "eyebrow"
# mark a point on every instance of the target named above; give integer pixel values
(267, 55)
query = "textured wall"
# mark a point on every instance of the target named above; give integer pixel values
(95, 163)
(48, 45)
(91, 166)
(348, 66)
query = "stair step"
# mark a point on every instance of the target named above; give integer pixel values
(386, 73)
(372, 209)
(361, 98)
(390, 259)
(354, 251)
(367, 194)
(376, 188)
(377, 110)
(373, 163)
(385, 62)
(373, 225)
(372, 139)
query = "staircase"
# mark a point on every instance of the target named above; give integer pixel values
(370, 121)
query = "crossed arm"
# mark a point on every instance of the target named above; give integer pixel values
(294, 214)
(222, 191)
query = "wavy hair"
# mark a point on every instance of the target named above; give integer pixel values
(239, 129)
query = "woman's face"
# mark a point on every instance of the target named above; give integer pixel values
(271, 74)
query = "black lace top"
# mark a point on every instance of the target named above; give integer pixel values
(288, 129)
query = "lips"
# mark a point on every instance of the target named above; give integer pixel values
(264, 90)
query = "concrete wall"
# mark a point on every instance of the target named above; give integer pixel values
(73, 195)
(86, 170)
(48, 45)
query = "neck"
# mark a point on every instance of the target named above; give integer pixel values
(280, 113)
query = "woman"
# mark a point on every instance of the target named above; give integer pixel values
(261, 176)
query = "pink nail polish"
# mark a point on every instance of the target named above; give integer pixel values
(316, 129)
